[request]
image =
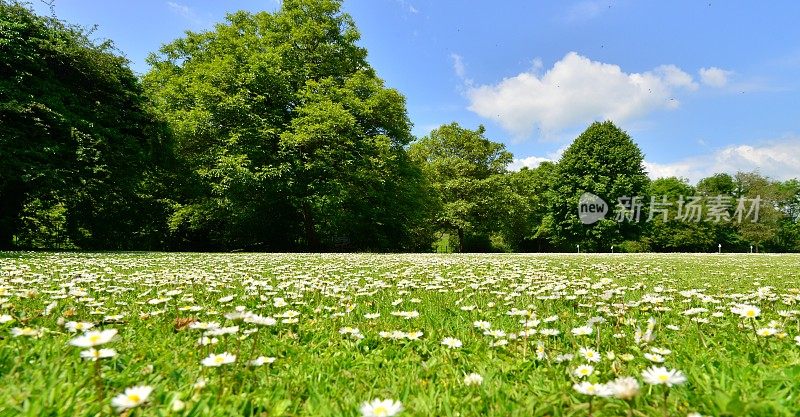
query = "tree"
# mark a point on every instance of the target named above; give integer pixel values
(674, 234)
(603, 160)
(772, 199)
(717, 184)
(524, 228)
(290, 136)
(465, 170)
(81, 152)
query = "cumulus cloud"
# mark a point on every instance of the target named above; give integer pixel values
(577, 91)
(530, 162)
(714, 77)
(778, 159)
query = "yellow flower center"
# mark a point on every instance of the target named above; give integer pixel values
(380, 411)
(219, 359)
(134, 398)
(94, 338)
(663, 378)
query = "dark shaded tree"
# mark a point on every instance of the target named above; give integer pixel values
(81, 152)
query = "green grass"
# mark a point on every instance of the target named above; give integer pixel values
(319, 372)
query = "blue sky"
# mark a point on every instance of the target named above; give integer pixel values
(701, 86)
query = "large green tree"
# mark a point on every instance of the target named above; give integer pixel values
(466, 172)
(604, 161)
(290, 136)
(81, 154)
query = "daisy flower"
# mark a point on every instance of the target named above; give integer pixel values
(482, 325)
(451, 342)
(766, 332)
(473, 379)
(132, 397)
(74, 326)
(26, 331)
(583, 371)
(582, 331)
(624, 387)
(592, 389)
(654, 357)
(94, 338)
(590, 355)
(381, 408)
(746, 311)
(261, 360)
(94, 354)
(659, 375)
(217, 360)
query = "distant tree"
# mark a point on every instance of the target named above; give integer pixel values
(717, 184)
(466, 171)
(772, 212)
(81, 154)
(674, 234)
(788, 238)
(604, 161)
(523, 229)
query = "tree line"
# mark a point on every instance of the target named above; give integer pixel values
(272, 132)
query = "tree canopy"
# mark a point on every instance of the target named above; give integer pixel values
(291, 138)
(81, 149)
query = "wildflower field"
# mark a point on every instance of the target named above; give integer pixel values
(412, 335)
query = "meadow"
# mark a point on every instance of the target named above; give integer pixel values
(155, 334)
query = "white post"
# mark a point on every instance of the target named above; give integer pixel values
(612, 248)
(751, 248)
(579, 248)
(719, 248)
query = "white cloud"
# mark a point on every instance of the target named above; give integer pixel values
(714, 77)
(577, 91)
(181, 9)
(185, 12)
(777, 159)
(530, 162)
(408, 6)
(458, 65)
(535, 161)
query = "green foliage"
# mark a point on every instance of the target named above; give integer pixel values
(77, 140)
(604, 161)
(289, 134)
(467, 173)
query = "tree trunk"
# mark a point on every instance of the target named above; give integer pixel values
(460, 240)
(311, 232)
(12, 198)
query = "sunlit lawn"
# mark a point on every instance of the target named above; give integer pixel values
(332, 332)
